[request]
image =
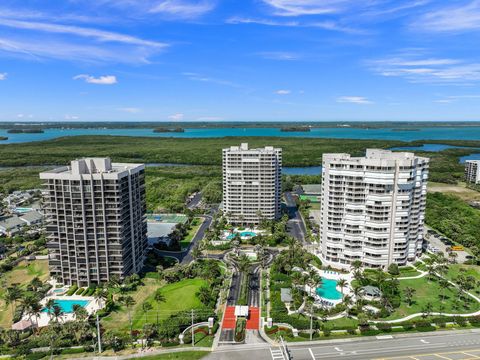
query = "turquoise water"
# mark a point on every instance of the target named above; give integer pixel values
(243, 234)
(470, 157)
(328, 290)
(433, 133)
(23, 210)
(67, 305)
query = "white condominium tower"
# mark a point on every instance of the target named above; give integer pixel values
(251, 183)
(472, 171)
(96, 220)
(372, 208)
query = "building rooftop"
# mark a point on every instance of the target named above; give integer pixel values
(32, 216)
(11, 223)
(286, 295)
(92, 166)
(244, 147)
(375, 154)
(312, 189)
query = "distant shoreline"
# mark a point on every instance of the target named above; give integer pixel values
(397, 125)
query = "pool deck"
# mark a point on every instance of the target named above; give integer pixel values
(44, 318)
(334, 275)
(227, 233)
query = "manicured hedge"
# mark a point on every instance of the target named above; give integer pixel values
(72, 290)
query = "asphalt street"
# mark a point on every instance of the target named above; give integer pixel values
(437, 346)
(295, 225)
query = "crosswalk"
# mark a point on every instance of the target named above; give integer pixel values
(277, 354)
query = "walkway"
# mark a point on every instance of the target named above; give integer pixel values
(253, 321)
(229, 318)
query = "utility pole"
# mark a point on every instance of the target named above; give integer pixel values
(193, 334)
(311, 323)
(99, 338)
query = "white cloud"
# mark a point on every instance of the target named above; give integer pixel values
(354, 100)
(130, 110)
(101, 80)
(455, 98)
(199, 77)
(283, 92)
(71, 117)
(416, 68)
(25, 116)
(183, 9)
(100, 35)
(307, 7)
(280, 55)
(177, 117)
(3, 76)
(210, 118)
(326, 25)
(451, 18)
(36, 49)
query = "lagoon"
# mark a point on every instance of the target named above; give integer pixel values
(423, 133)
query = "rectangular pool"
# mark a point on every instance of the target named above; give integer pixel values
(67, 305)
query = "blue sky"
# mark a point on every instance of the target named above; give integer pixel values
(227, 60)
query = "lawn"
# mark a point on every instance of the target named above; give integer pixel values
(118, 320)
(179, 296)
(429, 292)
(342, 323)
(196, 223)
(22, 274)
(470, 270)
(184, 355)
(459, 190)
(408, 271)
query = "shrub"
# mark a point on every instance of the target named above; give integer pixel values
(407, 327)
(460, 321)
(474, 320)
(385, 327)
(424, 325)
(393, 269)
(79, 291)
(72, 290)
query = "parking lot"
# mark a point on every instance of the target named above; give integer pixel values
(436, 244)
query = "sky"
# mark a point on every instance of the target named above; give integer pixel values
(239, 60)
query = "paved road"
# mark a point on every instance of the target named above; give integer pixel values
(451, 346)
(295, 225)
(195, 201)
(185, 257)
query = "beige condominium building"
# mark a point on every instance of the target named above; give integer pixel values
(372, 208)
(251, 183)
(472, 171)
(96, 220)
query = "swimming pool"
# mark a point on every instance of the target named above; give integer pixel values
(67, 305)
(23, 210)
(328, 290)
(242, 234)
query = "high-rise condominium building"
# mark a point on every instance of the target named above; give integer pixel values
(96, 220)
(372, 208)
(251, 183)
(472, 171)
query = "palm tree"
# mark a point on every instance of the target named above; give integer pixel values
(100, 294)
(427, 309)
(12, 294)
(146, 307)
(356, 265)
(49, 306)
(35, 309)
(342, 283)
(128, 301)
(36, 284)
(57, 313)
(243, 263)
(444, 285)
(196, 253)
(79, 312)
(159, 297)
(408, 292)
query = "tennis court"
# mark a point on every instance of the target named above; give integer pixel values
(167, 218)
(312, 198)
